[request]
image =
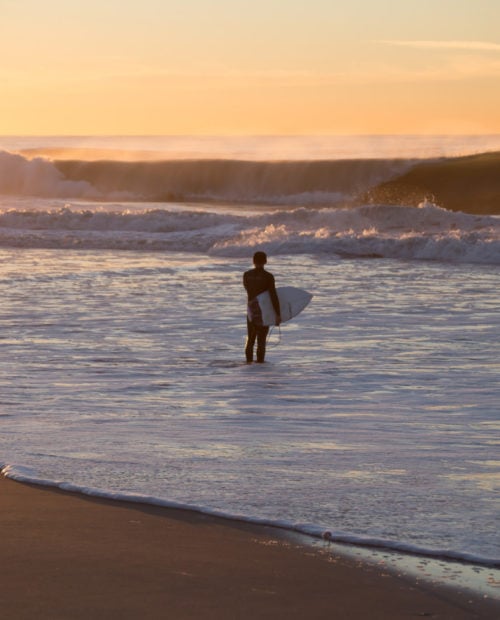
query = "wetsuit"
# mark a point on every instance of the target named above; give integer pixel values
(256, 281)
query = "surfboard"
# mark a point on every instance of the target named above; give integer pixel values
(292, 301)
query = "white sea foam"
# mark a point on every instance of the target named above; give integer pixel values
(38, 177)
(424, 233)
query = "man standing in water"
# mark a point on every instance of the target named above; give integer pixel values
(256, 281)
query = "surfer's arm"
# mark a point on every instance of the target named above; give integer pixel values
(245, 282)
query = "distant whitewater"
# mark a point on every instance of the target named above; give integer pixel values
(426, 232)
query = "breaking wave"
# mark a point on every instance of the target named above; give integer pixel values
(230, 181)
(470, 183)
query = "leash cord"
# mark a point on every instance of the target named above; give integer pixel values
(270, 334)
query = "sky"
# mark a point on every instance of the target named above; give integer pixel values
(238, 67)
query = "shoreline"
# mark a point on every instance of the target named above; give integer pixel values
(309, 534)
(67, 554)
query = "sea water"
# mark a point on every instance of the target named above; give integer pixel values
(375, 419)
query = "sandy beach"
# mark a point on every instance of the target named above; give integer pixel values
(66, 555)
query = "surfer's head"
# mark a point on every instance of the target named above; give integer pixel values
(259, 259)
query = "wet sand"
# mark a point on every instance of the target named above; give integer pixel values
(69, 556)
(470, 184)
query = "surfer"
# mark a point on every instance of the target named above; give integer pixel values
(256, 281)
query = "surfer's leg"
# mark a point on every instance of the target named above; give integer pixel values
(262, 332)
(251, 336)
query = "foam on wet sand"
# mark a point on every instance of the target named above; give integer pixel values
(70, 556)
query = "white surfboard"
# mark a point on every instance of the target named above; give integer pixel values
(292, 301)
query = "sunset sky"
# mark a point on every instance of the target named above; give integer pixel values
(249, 66)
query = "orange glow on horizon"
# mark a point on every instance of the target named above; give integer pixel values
(234, 70)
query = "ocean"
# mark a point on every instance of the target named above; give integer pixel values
(375, 419)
